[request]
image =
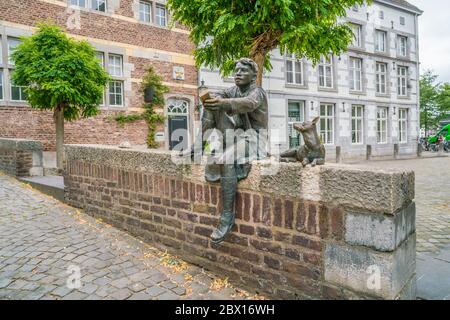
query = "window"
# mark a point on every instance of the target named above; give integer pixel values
(145, 11)
(402, 21)
(115, 64)
(380, 40)
(116, 93)
(355, 8)
(78, 3)
(381, 14)
(402, 45)
(355, 74)
(1, 84)
(327, 123)
(402, 79)
(357, 124)
(402, 125)
(99, 5)
(161, 15)
(17, 92)
(381, 77)
(12, 45)
(296, 114)
(1, 51)
(294, 70)
(357, 32)
(326, 72)
(382, 114)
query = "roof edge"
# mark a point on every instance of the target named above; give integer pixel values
(409, 7)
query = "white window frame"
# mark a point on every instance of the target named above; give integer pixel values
(357, 35)
(144, 13)
(326, 72)
(1, 50)
(292, 121)
(356, 74)
(402, 21)
(297, 67)
(11, 48)
(357, 124)
(402, 81)
(379, 76)
(402, 125)
(382, 125)
(113, 66)
(381, 14)
(76, 3)
(2, 85)
(21, 90)
(402, 44)
(158, 17)
(381, 40)
(112, 86)
(327, 133)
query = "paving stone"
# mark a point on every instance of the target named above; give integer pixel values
(168, 296)
(40, 238)
(121, 294)
(88, 288)
(181, 291)
(140, 296)
(155, 291)
(61, 291)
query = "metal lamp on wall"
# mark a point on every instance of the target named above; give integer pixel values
(149, 94)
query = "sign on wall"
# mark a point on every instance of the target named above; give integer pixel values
(178, 73)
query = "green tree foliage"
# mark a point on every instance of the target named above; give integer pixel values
(225, 30)
(60, 71)
(434, 101)
(151, 79)
(60, 74)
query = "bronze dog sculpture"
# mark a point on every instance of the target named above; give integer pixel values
(313, 151)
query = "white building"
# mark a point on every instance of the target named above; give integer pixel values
(367, 96)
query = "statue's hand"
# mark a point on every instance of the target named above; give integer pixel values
(216, 104)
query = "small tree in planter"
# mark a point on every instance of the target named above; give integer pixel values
(60, 74)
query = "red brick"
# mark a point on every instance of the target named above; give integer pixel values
(256, 208)
(266, 211)
(245, 229)
(301, 217)
(307, 243)
(337, 223)
(288, 214)
(278, 213)
(247, 206)
(312, 220)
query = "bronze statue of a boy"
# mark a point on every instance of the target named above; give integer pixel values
(242, 111)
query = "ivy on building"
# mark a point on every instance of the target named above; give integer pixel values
(153, 119)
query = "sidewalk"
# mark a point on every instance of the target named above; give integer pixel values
(46, 247)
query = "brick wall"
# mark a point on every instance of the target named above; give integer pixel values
(20, 158)
(285, 235)
(25, 123)
(131, 37)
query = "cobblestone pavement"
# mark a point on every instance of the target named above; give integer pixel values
(432, 199)
(45, 245)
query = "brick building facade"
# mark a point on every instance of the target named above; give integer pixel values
(129, 35)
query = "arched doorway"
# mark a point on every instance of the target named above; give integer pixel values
(177, 118)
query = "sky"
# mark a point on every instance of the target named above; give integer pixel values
(434, 37)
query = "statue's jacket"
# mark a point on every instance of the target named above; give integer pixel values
(248, 119)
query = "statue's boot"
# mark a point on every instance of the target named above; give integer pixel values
(226, 223)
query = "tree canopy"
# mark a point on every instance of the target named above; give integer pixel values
(225, 30)
(59, 71)
(434, 100)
